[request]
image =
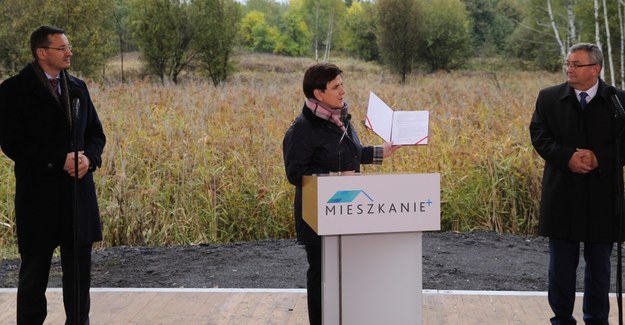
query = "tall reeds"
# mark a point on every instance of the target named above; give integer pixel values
(191, 163)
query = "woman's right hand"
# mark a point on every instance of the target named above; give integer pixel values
(389, 148)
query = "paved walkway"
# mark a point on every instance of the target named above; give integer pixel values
(285, 307)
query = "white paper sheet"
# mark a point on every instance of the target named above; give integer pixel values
(379, 117)
(400, 127)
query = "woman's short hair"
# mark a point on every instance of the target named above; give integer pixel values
(318, 76)
(39, 38)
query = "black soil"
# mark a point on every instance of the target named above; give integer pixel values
(451, 261)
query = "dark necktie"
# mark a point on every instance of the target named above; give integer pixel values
(55, 90)
(55, 86)
(582, 99)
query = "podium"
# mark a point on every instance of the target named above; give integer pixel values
(371, 228)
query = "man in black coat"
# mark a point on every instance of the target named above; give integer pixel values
(575, 130)
(36, 132)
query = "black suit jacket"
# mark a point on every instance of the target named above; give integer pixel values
(310, 146)
(35, 133)
(575, 206)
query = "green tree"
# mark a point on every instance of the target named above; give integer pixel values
(91, 32)
(217, 23)
(361, 39)
(294, 36)
(163, 31)
(446, 36)
(15, 28)
(492, 22)
(399, 34)
(482, 14)
(265, 38)
(87, 23)
(504, 24)
(256, 34)
(272, 9)
(248, 23)
(533, 48)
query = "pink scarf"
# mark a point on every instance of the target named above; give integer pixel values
(331, 114)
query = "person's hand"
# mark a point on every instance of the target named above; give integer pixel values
(589, 158)
(348, 173)
(583, 161)
(389, 148)
(83, 164)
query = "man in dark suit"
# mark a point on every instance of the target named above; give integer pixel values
(575, 130)
(36, 132)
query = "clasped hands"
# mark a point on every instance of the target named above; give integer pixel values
(583, 161)
(83, 164)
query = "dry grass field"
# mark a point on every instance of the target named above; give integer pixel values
(191, 163)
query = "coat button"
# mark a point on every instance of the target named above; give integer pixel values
(50, 166)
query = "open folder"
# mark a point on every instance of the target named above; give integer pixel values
(400, 127)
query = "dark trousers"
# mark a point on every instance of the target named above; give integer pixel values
(33, 281)
(563, 261)
(313, 283)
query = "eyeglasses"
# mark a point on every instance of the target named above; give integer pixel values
(575, 65)
(62, 48)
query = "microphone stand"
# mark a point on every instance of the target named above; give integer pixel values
(619, 116)
(340, 151)
(341, 141)
(618, 185)
(75, 213)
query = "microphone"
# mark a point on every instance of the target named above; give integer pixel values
(75, 95)
(611, 91)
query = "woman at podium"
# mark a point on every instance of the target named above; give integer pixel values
(322, 140)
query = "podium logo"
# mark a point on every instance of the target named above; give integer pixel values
(347, 196)
(342, 203)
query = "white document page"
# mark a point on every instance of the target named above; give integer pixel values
(410, 127)
(400, 127)
(379, 117)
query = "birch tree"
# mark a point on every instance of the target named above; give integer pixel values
(609, 43)
(571, 21)
(554, 27)
(326, 54)
(597, 29)
(597, 32)
(320, 16)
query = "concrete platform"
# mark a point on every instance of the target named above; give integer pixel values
(285, 307)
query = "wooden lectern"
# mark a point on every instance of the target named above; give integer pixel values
(371, 244)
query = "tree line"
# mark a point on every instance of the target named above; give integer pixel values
(201, 36)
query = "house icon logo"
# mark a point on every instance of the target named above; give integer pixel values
(347, 196)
